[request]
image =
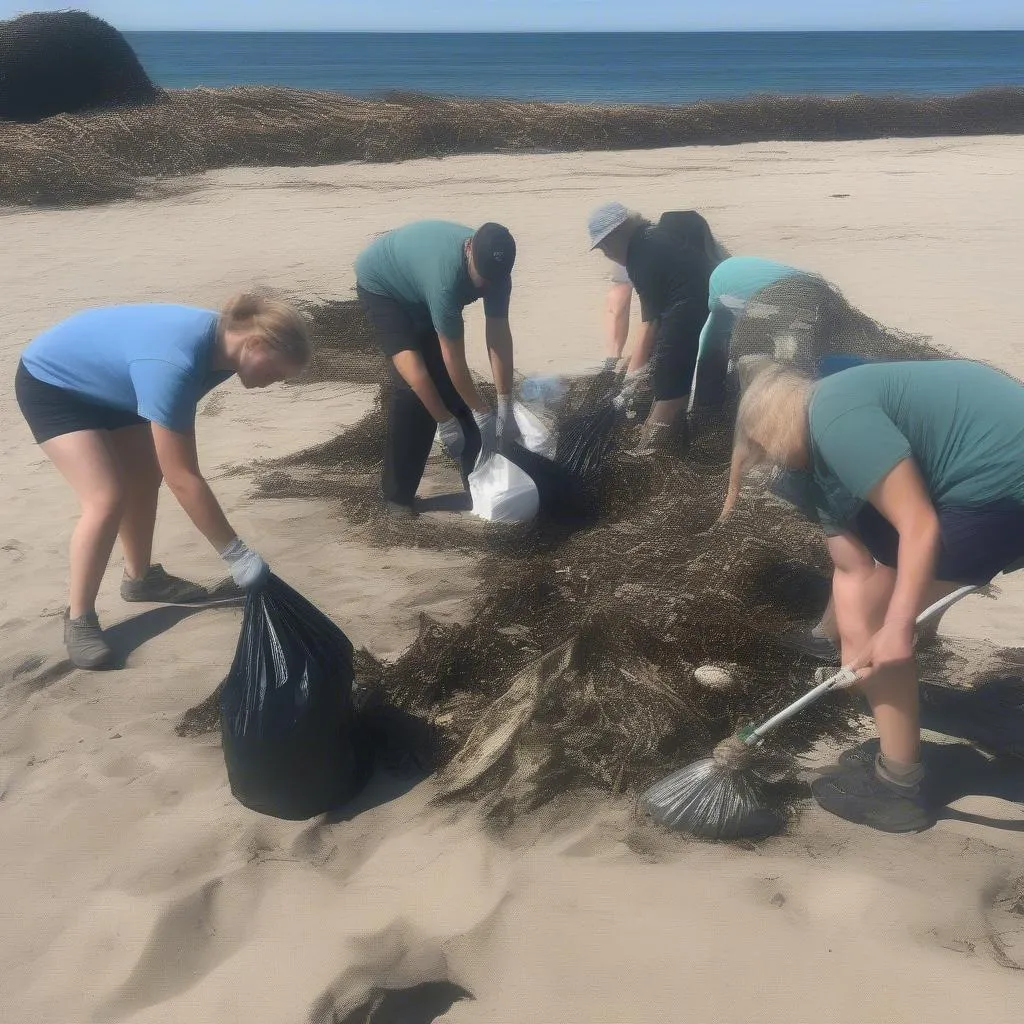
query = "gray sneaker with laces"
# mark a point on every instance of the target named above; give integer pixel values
(84, 641)
(159, 587)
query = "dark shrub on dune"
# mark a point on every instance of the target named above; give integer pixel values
(64, 62)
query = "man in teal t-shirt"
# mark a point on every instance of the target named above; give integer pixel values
(413, 283)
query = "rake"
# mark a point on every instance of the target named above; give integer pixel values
(724, 796)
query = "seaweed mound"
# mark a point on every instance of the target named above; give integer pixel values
(102, 156)
(804, 318)
(577, 668)
(65, 62)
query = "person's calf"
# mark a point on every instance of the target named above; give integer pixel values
(92, 542)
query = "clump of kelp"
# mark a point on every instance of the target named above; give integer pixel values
(104, 155)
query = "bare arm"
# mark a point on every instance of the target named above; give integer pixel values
(499, 348)
(179, 463)
(454, 353)
(902, 498)
(644, 348)
(617, 304)
(414, 372)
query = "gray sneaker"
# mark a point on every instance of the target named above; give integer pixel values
(810, 643)
(84, 641)
(158, 587)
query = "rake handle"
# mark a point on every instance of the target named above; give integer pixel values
(844, 675)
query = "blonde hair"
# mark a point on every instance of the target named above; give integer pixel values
(277, 324)
(771, 420)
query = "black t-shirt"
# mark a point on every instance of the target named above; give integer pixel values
(665, 273)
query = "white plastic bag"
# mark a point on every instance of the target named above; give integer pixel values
(537, 436)
(502, 492)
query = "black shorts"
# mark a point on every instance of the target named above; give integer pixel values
(675, 353)
(976, 543)
(51, 411)
(394, 328)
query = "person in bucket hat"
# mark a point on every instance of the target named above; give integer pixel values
(669, 265)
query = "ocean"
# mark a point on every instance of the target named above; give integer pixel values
(590, 67)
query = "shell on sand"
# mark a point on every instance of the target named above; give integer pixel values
(714, 677)
(501, 723)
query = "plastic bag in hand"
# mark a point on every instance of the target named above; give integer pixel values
(502, 492)
(288, 726)
(536, 435)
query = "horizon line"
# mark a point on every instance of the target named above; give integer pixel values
(584, 32)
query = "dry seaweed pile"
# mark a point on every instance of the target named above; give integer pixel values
(64, 62)
(576, 667)
(630, 609)
(97, 157)
(805, 318)
(343, 345)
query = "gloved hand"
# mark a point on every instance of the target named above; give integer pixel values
(247, 568)
(452, 437)
(508, 430)
(610, 363)
(487, 424)
(634, 382)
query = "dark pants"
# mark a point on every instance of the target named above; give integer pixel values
(410, 427)
(675, 357)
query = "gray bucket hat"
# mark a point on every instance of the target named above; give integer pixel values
(604, 220)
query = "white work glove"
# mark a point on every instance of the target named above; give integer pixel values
(610, 364)
(847, 677)
(634, 382)
(452, 437)
(247, 568)
(508, 431)
(487, 424)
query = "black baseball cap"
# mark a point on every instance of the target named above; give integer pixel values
(494, 251)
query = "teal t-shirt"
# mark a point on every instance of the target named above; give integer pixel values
(961, 421)
(734, 282)
(155, 360)
(423, 267)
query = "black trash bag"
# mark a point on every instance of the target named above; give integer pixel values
(289, 729)
(561, 497)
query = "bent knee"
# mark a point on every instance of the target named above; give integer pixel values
(104, 504)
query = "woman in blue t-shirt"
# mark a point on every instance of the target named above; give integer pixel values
(110, 396)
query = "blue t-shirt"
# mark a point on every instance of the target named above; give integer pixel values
(155, 360)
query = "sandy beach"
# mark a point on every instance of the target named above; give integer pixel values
(137, 890)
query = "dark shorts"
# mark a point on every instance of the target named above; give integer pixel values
(675, 353)
(50, 411)
(977, 543)
(394, 328)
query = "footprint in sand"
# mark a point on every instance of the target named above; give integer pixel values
(35, 672)
(14, 551)
(398, 978)
(191, 937)
(420, 1004)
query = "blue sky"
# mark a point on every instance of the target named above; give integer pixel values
(526, 15)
